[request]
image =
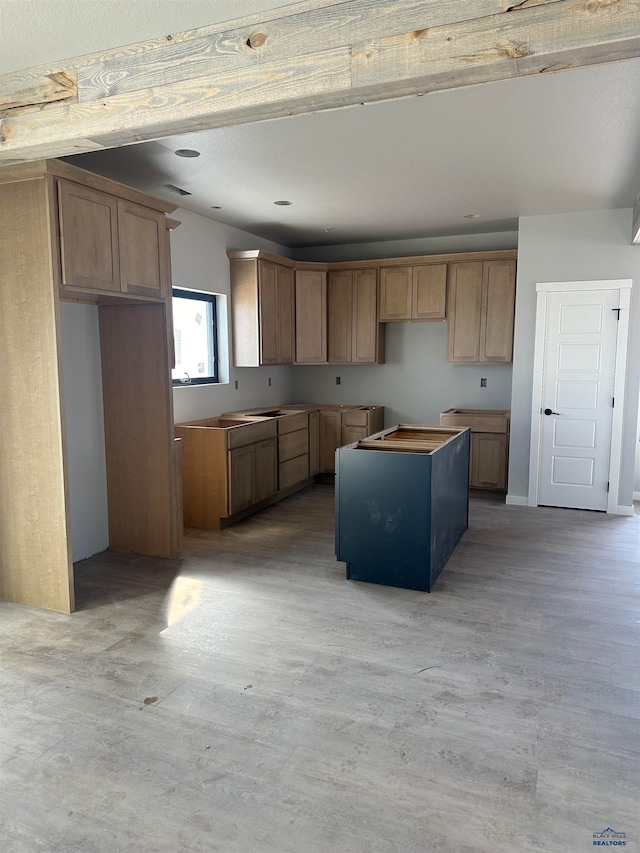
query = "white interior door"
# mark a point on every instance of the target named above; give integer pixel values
(577, 398)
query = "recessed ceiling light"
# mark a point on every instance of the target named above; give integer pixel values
(187, 152)
(472, 216)
(216, 207)
(283, 202)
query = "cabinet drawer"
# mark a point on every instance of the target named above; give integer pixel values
(291, 423)
(355, 417)
(293, 471)
(250, 433)
(293, 444)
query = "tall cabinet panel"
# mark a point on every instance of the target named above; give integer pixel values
(367, 333)
(340, 308)
(35, 549)
(464, 311)
(498, 306)
(60, 237)
(311, 316)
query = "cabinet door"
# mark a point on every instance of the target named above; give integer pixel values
(266, 469)
(488, 461)
(284, 306)
(314, 443)
(88, 238)
(395, 293)
(311, 317)
(143, 268)
(241, 478)
(330, 428)
(429, 301)
(339, 313)
(365, 348)
(464, 304)
(353, 433)
(498, 304)
(268, 310)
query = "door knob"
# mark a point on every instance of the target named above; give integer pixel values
(549, 412)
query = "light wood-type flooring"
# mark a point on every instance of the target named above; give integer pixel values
(248, 698)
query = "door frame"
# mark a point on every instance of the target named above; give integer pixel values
(543, 289)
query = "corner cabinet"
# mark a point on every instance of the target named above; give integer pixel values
(67, 234)
(262, 309)
(481, 304)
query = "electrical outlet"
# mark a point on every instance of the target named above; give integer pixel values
(483, 383)
(269, 382)
(338, 380)
(236, 384)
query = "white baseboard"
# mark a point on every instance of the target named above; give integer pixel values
(625, 510)
(517, 500)
(636, 496)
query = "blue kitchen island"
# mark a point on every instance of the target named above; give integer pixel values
(402, 504)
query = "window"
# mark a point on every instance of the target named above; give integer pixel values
(195, 336)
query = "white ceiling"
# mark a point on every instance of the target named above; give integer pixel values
(412, 168)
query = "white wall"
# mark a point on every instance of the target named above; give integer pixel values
(199, 262)
(416, 383)
(571, 247)
(82, 393)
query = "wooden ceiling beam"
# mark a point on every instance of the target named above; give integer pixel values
(316, 55)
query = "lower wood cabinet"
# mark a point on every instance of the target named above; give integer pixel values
(252, 474)
(228, 468)
(341, 425)
(488, 464)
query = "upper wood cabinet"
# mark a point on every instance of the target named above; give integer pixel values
(481, 302)
(262, 310)
(354, 334)
(111, 244)
(415, 292)
(311, 316)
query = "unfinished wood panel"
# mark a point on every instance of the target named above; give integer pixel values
(353, 433)
(138, 417)
(498, 307)
(140, 242)
(395, 293)
(311, 317)
(339, 316)
(429, 298)
(314, 443)
(245, 325)
(266, 470)
(242, 473)
(489, 461)
(464, 307)
(35, 550)
(367, 335)
(292, 423)
(162, 88)
(88, 238)
(268, 324)
(293, 471)
(285, 312)
(293, 444)
(204, 476)
(330, 436)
